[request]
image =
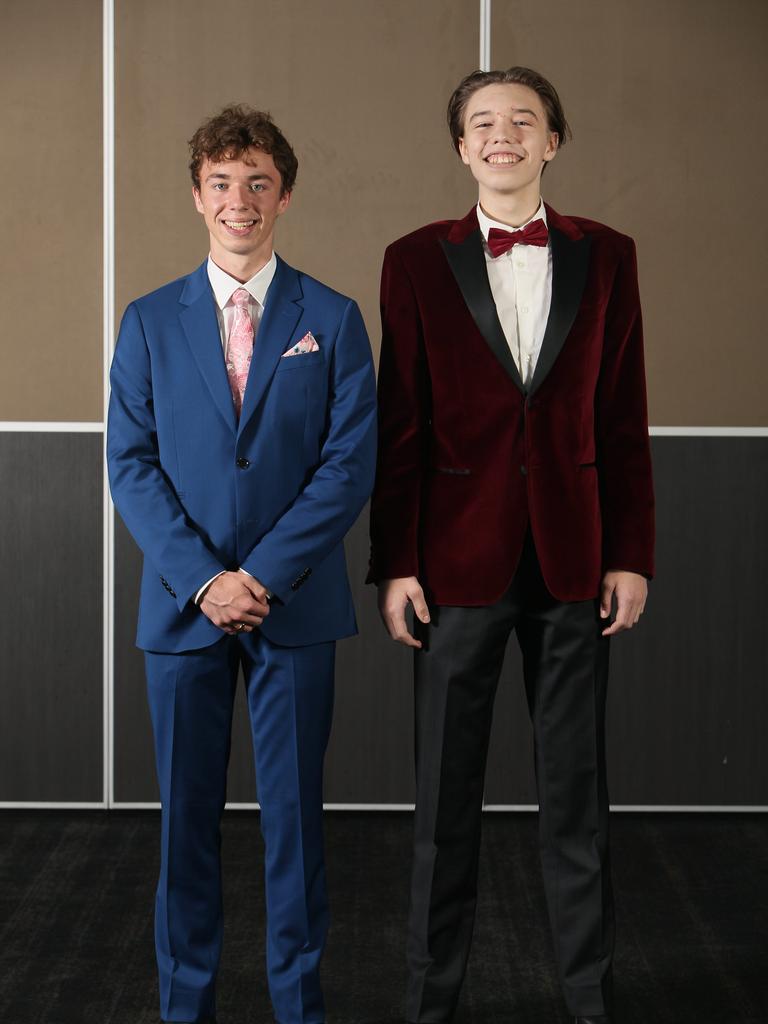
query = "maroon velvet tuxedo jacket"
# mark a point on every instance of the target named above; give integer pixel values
(468, 456)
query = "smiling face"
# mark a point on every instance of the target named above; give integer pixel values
(506, 143)
(240, 201)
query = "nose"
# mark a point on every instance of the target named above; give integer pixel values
(506, 130)
(237, 196)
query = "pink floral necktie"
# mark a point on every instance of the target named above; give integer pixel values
(239, 347)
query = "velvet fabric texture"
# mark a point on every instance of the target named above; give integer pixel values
(468, 456)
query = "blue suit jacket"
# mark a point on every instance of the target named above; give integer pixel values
(274, 494)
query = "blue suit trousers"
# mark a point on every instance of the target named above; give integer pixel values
(290, 700)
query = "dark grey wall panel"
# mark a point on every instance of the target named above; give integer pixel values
(688, 697)
(134, 751)
(370, 754)
(51, 603)
(688, 691)
(370, 758)
(134, 759)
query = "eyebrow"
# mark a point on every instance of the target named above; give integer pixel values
(227, 177)
(515, 110)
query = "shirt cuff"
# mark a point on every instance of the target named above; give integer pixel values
(202, 590)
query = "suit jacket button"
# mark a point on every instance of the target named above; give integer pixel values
(242, 463)
(524, 470)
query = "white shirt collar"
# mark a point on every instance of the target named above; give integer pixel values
(486, 223)
(223, 284)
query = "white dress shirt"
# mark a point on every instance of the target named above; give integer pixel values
(224, 286)
(521, 285)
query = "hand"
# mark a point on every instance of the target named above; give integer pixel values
(631, 592)
(394, 596)
(234, 599)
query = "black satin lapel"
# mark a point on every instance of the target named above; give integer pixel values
(570, 263)
(467, 262)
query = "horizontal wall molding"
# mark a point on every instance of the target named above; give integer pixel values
(48, 427)
(646, 808)
(490, 808)
(708, 431)
(51, 427)
(51, 805)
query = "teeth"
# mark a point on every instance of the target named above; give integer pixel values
(239, 223)
(503, 158)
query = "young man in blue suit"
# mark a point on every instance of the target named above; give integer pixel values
(241, 449)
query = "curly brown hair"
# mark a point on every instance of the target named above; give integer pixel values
(544, 89)
(228, 134)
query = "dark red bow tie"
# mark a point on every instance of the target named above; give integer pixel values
(534, 233)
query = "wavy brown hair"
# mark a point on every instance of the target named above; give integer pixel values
(228, 134)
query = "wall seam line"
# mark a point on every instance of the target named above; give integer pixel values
(108, 273)
(485, 35)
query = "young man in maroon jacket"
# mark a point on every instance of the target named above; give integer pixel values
(514, 491)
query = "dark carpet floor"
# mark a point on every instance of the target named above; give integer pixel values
(76, 892)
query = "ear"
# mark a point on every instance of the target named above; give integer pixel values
(463, 152)
(285, 199)
(552, 146)
(196, 197)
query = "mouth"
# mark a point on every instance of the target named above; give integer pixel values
(503, 159)
(239, 227)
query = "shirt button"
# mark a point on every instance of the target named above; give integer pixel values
(525, 309)
(523, 470)
(521, 263)
(242, 463)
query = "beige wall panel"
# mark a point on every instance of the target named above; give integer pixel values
(359, 88)
(666, 102)
(51, 210)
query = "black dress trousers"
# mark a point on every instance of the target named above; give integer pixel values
(565, 662)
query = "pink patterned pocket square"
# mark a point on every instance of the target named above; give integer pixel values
(307, 344)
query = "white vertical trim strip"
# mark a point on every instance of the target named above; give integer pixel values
(108, 253)
(485, 35)
(48, 427)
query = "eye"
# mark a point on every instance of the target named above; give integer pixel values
(256, 186)
(218, 186)
(527, 123)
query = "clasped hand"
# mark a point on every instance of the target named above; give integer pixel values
(235, 602)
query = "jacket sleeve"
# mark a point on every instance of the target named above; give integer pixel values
(404, 428)
(621, 421)
(140, 489)
(325, 509)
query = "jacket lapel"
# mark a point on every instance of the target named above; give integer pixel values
(282, 310)
(199, 323)
(570, 263)
(463, 249)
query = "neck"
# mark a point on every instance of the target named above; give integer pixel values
(512, 209)
(242, 267)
